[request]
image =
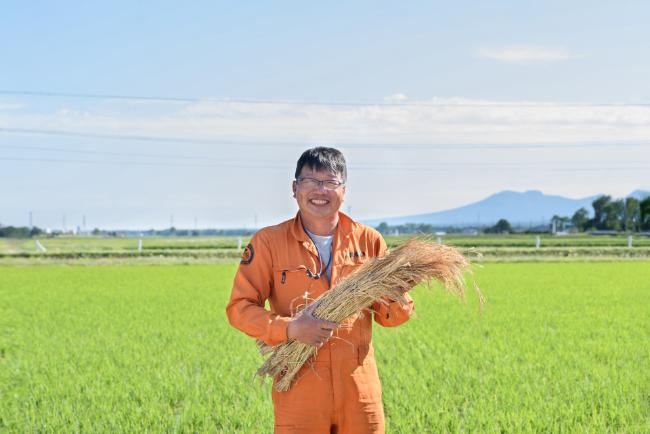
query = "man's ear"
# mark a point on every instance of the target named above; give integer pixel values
(294, 186)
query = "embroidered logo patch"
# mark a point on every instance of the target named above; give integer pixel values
(247, 256)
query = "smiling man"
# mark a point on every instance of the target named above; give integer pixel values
(291, 264)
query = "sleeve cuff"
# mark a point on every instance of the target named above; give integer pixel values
(278, 329)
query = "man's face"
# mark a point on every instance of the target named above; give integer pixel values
(318, 201)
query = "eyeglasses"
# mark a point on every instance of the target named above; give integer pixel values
(329, 184)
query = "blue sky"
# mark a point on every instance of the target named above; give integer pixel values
(564, 84)
(323, 50)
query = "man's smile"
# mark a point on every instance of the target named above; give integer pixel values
(319, 202)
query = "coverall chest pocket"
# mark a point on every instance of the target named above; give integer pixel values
(292, 286)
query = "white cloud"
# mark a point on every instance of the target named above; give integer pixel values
(438, 120)
(11, 106)
(396, 97)
(524, 54)
(426, 178)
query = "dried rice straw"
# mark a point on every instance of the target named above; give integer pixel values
(414, 262)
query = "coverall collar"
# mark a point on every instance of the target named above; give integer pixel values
(344, 228)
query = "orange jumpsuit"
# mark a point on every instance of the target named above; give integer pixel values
(339, 390)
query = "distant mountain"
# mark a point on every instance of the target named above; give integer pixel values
(640, 194)
(530, 207)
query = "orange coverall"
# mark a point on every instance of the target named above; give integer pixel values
(338, 390)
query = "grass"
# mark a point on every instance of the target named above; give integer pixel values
(123, 349)
(560, 347)
(110, 244)
(528, 240)
(498, 248)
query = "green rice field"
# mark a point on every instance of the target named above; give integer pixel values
(118, 244)
(121, 244)
(208, 250)
(560, 347)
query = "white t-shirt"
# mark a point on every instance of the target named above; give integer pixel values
(324, 246)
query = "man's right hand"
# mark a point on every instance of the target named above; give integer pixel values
(310, 330)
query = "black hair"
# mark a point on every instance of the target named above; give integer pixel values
(322, 158)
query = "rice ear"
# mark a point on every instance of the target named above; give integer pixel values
(414, 262)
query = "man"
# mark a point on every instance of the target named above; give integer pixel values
(290, 265)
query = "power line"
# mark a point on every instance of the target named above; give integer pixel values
(111, 153)
(129, 137)
(248, 165)
(517, 167)
(358, 103)
(396, 146)
(367, 165)
(143, 163)
(143, 138)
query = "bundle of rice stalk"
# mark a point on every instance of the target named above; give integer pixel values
(416, 261)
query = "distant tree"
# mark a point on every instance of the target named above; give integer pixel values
(96, 232)
(632, 214)
(14, 232)
(614, 215)
(598, 222)
(644, 214)
(383, 228)
(580, 219)
(35, 231)
(502, 227)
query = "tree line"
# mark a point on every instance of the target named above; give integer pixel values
(27, 232)
(19, 231)
(622, 215)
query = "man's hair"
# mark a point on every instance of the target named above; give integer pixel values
(322, 158)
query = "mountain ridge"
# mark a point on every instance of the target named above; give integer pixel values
(531, 207)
